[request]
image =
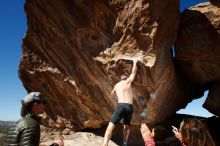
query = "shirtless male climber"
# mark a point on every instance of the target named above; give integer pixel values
(123, 93)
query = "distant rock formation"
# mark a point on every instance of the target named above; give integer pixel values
(75, 51)
(7, 124)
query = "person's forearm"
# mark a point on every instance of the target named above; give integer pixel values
(133, 74)
(134, 69)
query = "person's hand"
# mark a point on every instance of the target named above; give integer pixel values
(176, 132)
(146, 133)
(59, 142)
(135, 60)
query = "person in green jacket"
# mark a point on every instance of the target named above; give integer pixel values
(27, 129)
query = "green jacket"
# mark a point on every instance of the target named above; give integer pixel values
(25, 133)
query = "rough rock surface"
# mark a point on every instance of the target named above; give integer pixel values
(75, 51)
(198, 50)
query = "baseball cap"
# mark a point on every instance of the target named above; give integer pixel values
(34, 96)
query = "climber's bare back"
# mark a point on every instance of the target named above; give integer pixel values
(124, 92)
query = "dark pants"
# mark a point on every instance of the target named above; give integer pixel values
(123, 110)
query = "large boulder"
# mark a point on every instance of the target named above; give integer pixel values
(75, 51)
(198, 50)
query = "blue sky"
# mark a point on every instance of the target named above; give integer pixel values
(12, 29)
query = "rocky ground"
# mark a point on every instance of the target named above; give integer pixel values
(94, 137)
(81, 139)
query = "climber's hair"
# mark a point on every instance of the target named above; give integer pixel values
(124, 77)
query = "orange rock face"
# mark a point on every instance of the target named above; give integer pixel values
(75, 51)
(198, 50)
